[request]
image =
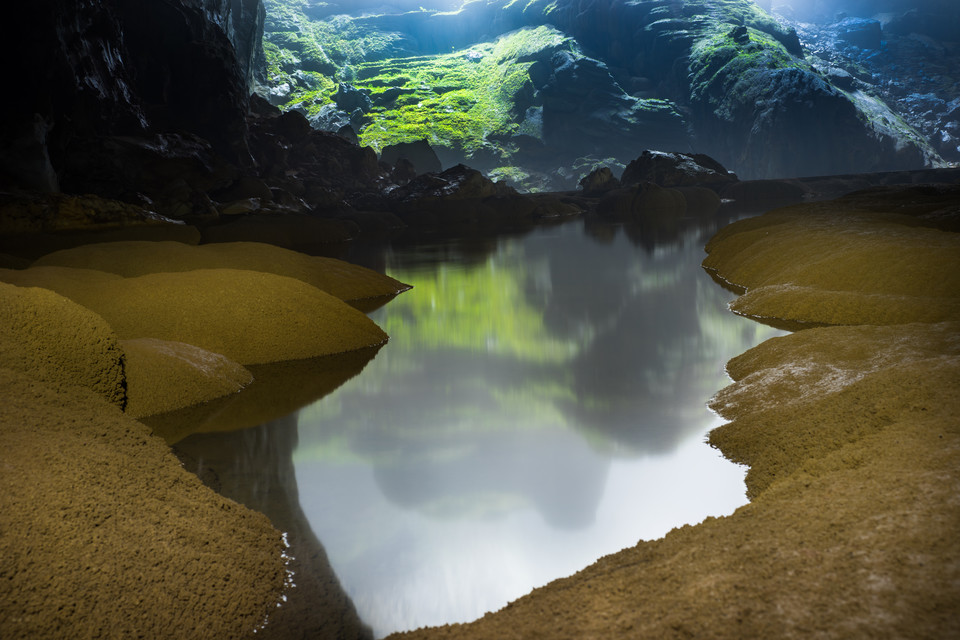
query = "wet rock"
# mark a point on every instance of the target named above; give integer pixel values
(676, 170)
(860, 32)
(598, 182)
(348, 98)
(456, 183)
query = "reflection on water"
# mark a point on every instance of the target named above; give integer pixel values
(541, 403)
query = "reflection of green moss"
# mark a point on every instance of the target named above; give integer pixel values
(480, 308)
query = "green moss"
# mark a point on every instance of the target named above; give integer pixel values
(463, 100)
(718, 61)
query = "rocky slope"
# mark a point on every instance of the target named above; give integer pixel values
(541, 92)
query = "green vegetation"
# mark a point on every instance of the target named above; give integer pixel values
(720, 60)
(462, 100)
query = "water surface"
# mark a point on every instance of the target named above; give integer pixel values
(541, 403)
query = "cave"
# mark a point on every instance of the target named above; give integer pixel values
(480, 318)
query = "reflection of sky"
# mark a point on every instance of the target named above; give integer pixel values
(532, 412)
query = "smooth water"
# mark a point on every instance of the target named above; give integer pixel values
(541, 403)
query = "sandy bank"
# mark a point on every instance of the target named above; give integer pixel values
(853, 438)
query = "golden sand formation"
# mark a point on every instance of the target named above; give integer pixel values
(102, 532)
(851, 432)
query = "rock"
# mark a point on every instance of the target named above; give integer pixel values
(278, 94)
(169, 173)
(598, 181)
(676, 170)
(58, 213)
(240, 207)
(456, 183)
(49, 338)
(420, 153)
(860, 32)
(348, 98)
(163, 376)
(403, 171)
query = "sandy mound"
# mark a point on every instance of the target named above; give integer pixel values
(338, 278)
(163, 376)
(59, 342)
(106, 535)
(786, 405)
(247, 316)
(823, 264)
(278, 389)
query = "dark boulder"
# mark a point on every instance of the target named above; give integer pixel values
(676, 170)
(860, 32)
(598, 182)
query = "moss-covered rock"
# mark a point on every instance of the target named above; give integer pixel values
(247, 316)
(130, 259)
(828, 263)
(163, 376)
(606, 79)
(58, 342)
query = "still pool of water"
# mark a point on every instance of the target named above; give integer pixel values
(541, 403)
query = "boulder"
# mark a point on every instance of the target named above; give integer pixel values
(438, 189)
(676, 170)
(349, 98)
(598, 182)
(860, 32)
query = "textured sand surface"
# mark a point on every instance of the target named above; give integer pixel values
(247, 316)
(338, 278)
(165, 376)
(104, 534)
(102, 531)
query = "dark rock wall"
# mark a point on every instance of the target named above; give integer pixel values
(95, 68)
